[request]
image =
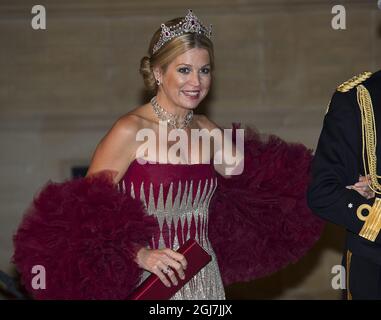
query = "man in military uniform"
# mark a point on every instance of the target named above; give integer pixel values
(344, 188)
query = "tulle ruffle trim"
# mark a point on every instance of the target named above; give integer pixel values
(85, 234)
(259, 220)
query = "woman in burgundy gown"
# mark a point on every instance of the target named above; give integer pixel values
(98, 241)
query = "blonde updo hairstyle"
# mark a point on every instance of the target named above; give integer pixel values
(169, 51)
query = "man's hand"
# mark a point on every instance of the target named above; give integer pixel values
(362, 187)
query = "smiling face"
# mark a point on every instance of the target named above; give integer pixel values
(185, 82)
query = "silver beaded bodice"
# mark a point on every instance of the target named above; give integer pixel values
(181, 207)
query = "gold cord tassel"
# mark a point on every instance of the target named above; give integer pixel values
(372, 224)
(369, 139)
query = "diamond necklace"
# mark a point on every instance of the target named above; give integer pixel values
(171, 119)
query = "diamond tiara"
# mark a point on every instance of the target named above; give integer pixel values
(190, 24)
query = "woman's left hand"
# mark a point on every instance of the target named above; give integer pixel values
(362, 188)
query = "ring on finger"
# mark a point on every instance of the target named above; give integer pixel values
(167, 269)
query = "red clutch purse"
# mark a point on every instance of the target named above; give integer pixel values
(153, 289)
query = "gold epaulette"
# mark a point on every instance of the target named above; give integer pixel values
(353, 82)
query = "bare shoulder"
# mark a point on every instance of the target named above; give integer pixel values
(125, 128)
(133, 121)
(117, 148)
(203, 122)
(129, 122)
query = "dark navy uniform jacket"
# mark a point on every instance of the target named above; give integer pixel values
(338, 163)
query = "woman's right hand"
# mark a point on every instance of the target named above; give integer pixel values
(162, 262)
